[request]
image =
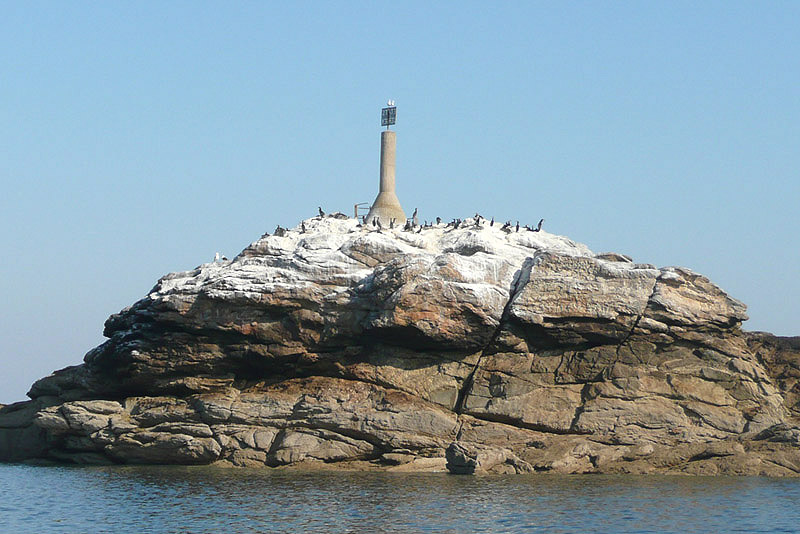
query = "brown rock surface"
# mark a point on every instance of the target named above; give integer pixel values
(492, 351)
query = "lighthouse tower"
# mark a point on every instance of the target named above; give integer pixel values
(387, 206)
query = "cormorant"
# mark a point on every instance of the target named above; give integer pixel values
(539, 226)
(321, 213)
(517, 229)
(491, 223)
(438, 220)
(302, 227)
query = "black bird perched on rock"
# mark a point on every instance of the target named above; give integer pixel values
(517, 229)
(321, 213)
(414, 219)
(391, 222)
(407, 227)
(375, 221)
(302, 227)
(438, 220)
(420, 230)
(539, 226)
(378, 221)
(491, 223)
(506, 225)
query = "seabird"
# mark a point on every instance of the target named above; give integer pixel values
(438, 220)
(420, 230)
(302, 227)
(491, 223)
(517, 226)
(321, 213)
(539, 226)
(378, 221)
(391, 223)
(414, 219)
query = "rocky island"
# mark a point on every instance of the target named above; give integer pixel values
(466, 347)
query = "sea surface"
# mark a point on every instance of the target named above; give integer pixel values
(203, 499)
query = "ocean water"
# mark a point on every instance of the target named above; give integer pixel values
(203, 499)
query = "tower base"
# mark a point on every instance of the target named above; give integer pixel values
(385, 208)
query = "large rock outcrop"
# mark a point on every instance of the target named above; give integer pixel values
(477, 347)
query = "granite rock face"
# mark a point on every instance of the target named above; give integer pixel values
(474, 348)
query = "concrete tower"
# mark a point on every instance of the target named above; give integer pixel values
(387, 206)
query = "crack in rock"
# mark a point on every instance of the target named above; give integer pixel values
(521, 278)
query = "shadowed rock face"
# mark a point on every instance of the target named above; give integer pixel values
(473, 347)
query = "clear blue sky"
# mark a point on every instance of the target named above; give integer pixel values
(139, 138)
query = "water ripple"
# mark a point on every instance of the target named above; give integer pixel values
(202, 499)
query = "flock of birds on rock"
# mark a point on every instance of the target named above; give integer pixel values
(412, 225)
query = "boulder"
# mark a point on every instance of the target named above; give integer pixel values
(469, 348)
